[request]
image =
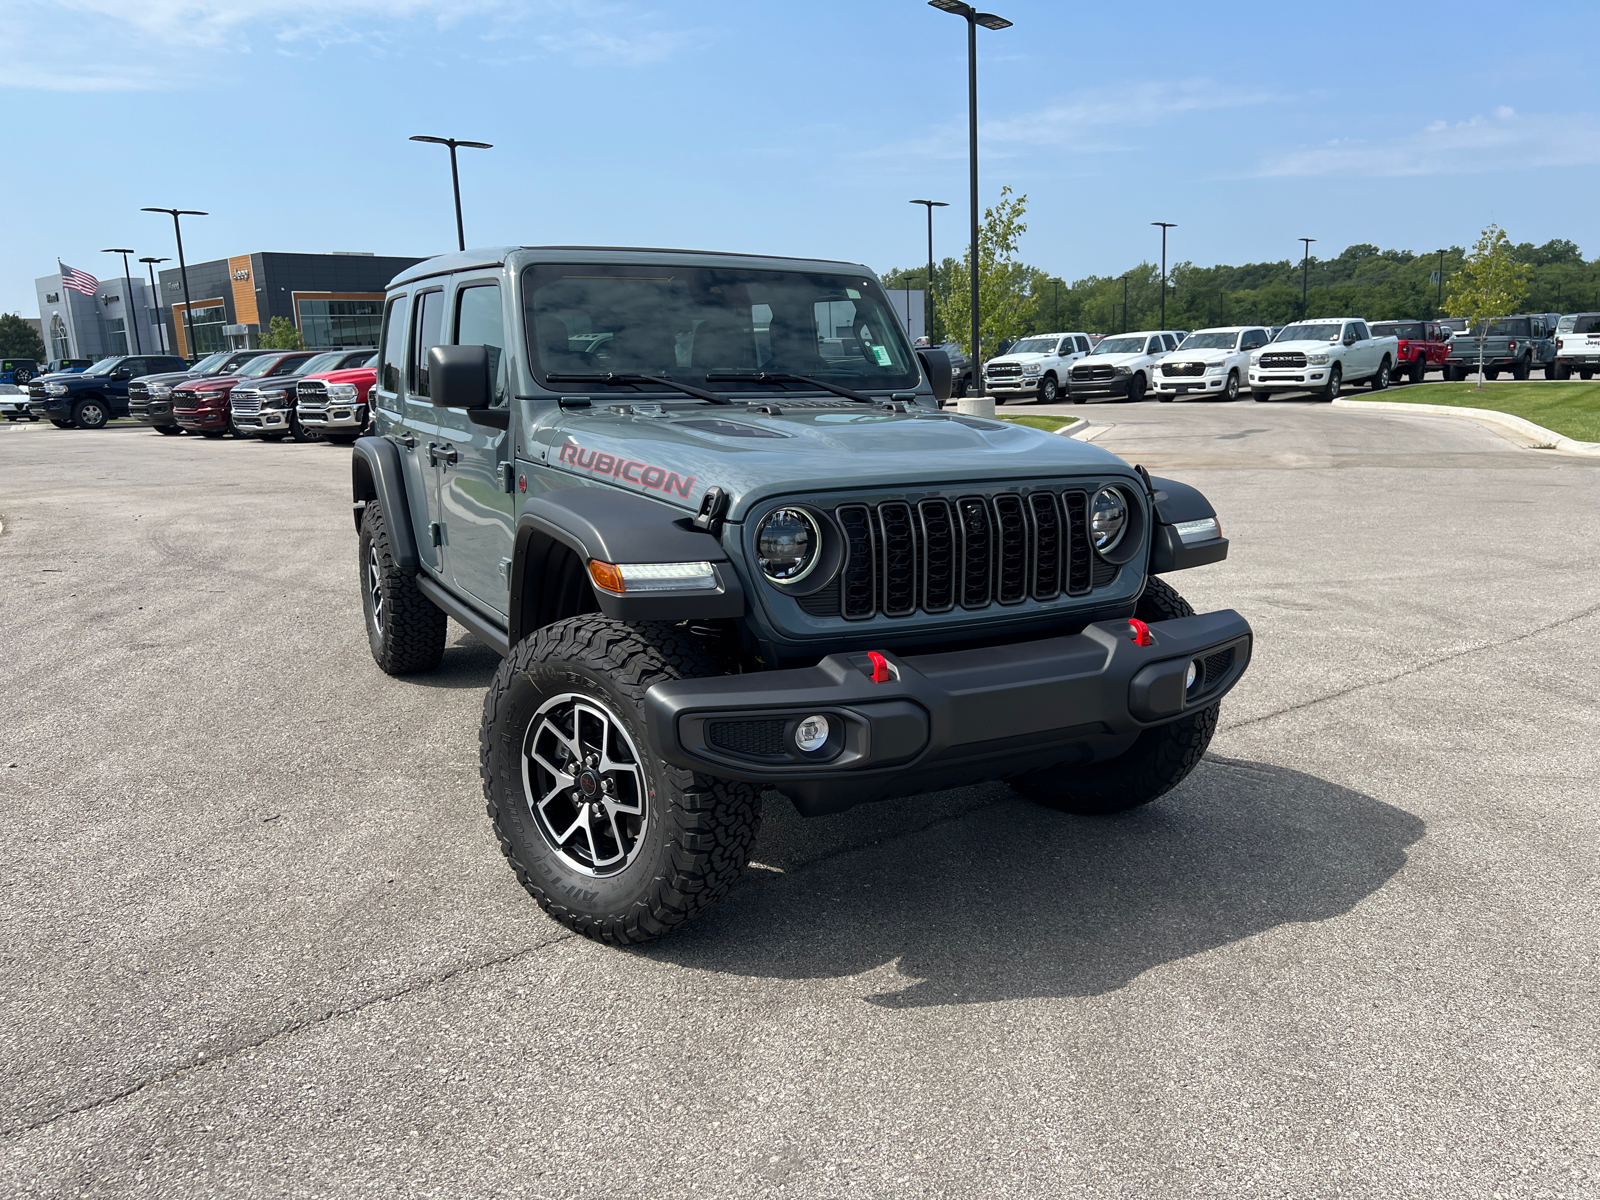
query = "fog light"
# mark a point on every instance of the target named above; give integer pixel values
(1193, 677)
(811, 734)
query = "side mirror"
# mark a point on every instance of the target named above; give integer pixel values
(936, 366)
(123, 374)
(1349, 339)
(458, 376)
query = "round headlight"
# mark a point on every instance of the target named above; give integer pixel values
(1108, 518)
(787, 545)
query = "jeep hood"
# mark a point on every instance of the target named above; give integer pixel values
(752, 456)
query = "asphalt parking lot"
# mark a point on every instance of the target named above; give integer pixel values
(260, 941)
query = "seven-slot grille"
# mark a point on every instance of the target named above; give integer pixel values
(1282, 359)
(1183, 368)
(938, 555)
(245, 400)
(1094, 372)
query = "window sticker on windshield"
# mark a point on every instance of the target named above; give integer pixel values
(881, 353)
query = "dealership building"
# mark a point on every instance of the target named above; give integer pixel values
(333, 299)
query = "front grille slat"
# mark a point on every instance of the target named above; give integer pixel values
(1048, 545)
(860, 583)
(977, 550)
(897, 543)
(1079, 553)
(938, 556)
(1011, 547)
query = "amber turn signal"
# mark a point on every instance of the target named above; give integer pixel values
(606, 577)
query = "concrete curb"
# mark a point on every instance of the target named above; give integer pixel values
(1541, 436)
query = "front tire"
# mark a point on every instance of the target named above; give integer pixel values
(91, 413)
(169, 430)
(1523, 370)
(1136, 387)
(1335, 378)
(1230, 390)
(61, 424)
(1419, 369)
(1048, 390)
(1159, 759)
(612, 842)
(405, 630)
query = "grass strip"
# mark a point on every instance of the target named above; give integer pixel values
(1047, 423)
(1571, 408)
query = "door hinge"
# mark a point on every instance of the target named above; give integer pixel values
(505, 569)
(508, 477)
(435, 533)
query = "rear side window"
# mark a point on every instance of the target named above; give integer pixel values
(1589, 324)
(424, 337)
(479, 322)
(1083, 345)
(393, 355)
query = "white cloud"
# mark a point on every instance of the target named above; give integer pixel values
(1508, 141)
(119, 45)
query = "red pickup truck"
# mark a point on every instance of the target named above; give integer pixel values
(1423, 344)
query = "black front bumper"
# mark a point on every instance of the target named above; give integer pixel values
(946, 719)
(1090, 389)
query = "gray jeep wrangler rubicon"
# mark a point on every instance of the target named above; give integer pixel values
(707, 509)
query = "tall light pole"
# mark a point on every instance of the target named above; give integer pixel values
(455, 176)
(1165, 225)
(150, 265)
(1124, 304)
(973, 18)
(127, 305)
(183, 270)
(1305, 276)
(928, 316)
(1438, 305)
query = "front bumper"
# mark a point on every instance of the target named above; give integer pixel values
(1019, 385)
(334, 415)
(1090, 389)
(266, 420)
(156, 412)
(946, 719)
(201, 419)
(1179, 385)
(1288, 380)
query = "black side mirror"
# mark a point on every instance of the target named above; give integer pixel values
(458, 376)
(1349, 339)
(936, 366)
(123, 374)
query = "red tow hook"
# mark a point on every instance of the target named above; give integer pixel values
(880, 666)
(1141, 632)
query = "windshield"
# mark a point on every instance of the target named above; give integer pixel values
(322, 362)
(1120, 345)
(1516, 327)
(257, 367)
(1311, 333)
(688, 321)
(209, 365)
(1209, 341)
(104, 367)
(1035, 345)
(1410, 330)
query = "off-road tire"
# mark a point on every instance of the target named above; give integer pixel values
(1049, 390)
(1491, 373)
(1159, 759)
(1330, 390)
(407, 634)
(1524, 368)
(1419, 370)
(698, 830)
(91, 413)
(169, 430)
(1585, 375)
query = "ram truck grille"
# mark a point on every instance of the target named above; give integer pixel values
(1275, 362)
(1183, 368)
(245, 401)
(972, 552)
(36, 391)
(1093, 374)
(1003, 371)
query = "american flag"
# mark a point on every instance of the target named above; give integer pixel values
(78, 281)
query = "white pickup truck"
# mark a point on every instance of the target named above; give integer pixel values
(1036, 366)
(1215, 360)
(1318, 356)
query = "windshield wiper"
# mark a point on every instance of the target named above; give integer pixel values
(782, 377)
(629, 379)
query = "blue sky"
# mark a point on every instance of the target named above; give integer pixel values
(793, 128)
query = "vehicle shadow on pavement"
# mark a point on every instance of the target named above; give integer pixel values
(467, 663)
(1007, 900)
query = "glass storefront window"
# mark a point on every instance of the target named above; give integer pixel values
(60, 344)
(335, 323)
(119, 335)
(208, 335)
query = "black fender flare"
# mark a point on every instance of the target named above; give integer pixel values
(1177, 503)
(561, 532)
(376, 473)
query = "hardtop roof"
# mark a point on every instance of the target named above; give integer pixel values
(495, 256)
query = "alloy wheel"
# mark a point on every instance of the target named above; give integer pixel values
(375, 588)
(584, 785)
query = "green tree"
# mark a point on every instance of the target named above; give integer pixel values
(282, 335)
(1006, 302)
(1490, 284)
(18, 340)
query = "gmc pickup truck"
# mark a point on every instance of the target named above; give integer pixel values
(1518, 344)
(1319, 356)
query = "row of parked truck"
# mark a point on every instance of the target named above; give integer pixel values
(306, 395)
(1170, 364)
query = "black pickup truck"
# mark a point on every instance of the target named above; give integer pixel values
(90, 399)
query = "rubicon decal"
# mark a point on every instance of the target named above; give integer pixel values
(655, 478)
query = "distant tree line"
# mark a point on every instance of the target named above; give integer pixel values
(1362, 281)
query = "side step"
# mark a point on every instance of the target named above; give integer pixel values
(485, 629)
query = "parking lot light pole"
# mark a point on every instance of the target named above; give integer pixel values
(183, 270)
(1165, 225)
(1438, 305)
(127, 306)
(1305, 276)
(973, 18)
(455, 176)
(927, 317)
(150, 265)
(1124, 304)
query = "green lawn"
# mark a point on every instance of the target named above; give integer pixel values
(1572, 408)
(1049, 424)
